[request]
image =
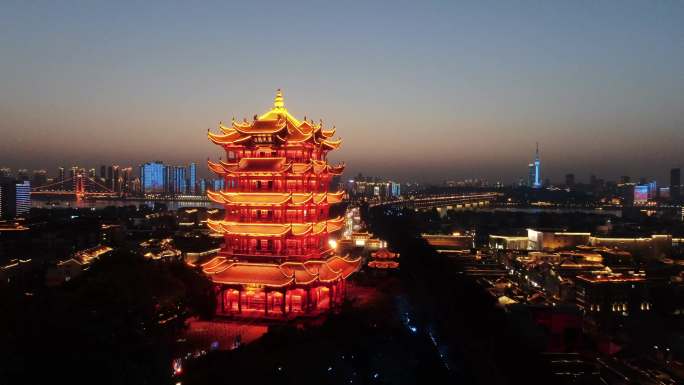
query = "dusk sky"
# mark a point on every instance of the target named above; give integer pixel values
(417, 90)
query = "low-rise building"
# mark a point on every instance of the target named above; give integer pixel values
(65, 270)
(508, 242)
(655, 246)
(448, 242)
(602, 297)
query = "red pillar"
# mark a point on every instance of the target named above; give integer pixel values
(331, 296)
(230, 300)
(282, 301)
(222, 293)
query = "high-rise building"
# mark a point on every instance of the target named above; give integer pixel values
(640, 194)
(395, 189)
(22, 175)
(652, 189)
(135, 186)
(7, 197)
(15, 197)
(61, 177)
(73, 171)
(179, 181)
(629, 193)
(278, 258)
(676, 185)
(175, 181)
(570, 180)
(22, 197)
(169, 180)
(39, 178)
(192, 179)
(125, 182)
(153, 178)
(115, 182)
(110, 177)
(664, 193)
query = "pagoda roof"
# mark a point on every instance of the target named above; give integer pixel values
(274, 229)
(273, 199)
(256, 166)
(384, 254)
(280, 124)
(224, 271)
(383, 264)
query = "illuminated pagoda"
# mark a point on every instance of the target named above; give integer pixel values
(384, 259)
(278, 257)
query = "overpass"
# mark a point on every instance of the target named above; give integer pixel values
(449, 201)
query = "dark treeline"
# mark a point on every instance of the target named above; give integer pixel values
(494, 349)
(114, 324)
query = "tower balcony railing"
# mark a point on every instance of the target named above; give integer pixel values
(277, 220)
(276, 189)
(299, 254)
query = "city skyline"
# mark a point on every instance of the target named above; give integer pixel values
(561, 180)
(475, 86)
(383, 192)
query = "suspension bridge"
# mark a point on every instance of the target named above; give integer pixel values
(79, 186)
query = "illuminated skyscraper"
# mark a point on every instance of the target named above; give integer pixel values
(152, 178)
(179, 182)
(531, 174)
(23, 197)
(126, 179)
(61, 177)
(640, 194)
(192, 179)
(115, 183)
(15, 197)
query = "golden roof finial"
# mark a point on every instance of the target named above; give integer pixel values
(278, 102)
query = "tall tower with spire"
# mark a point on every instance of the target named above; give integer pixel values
(537, 170)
